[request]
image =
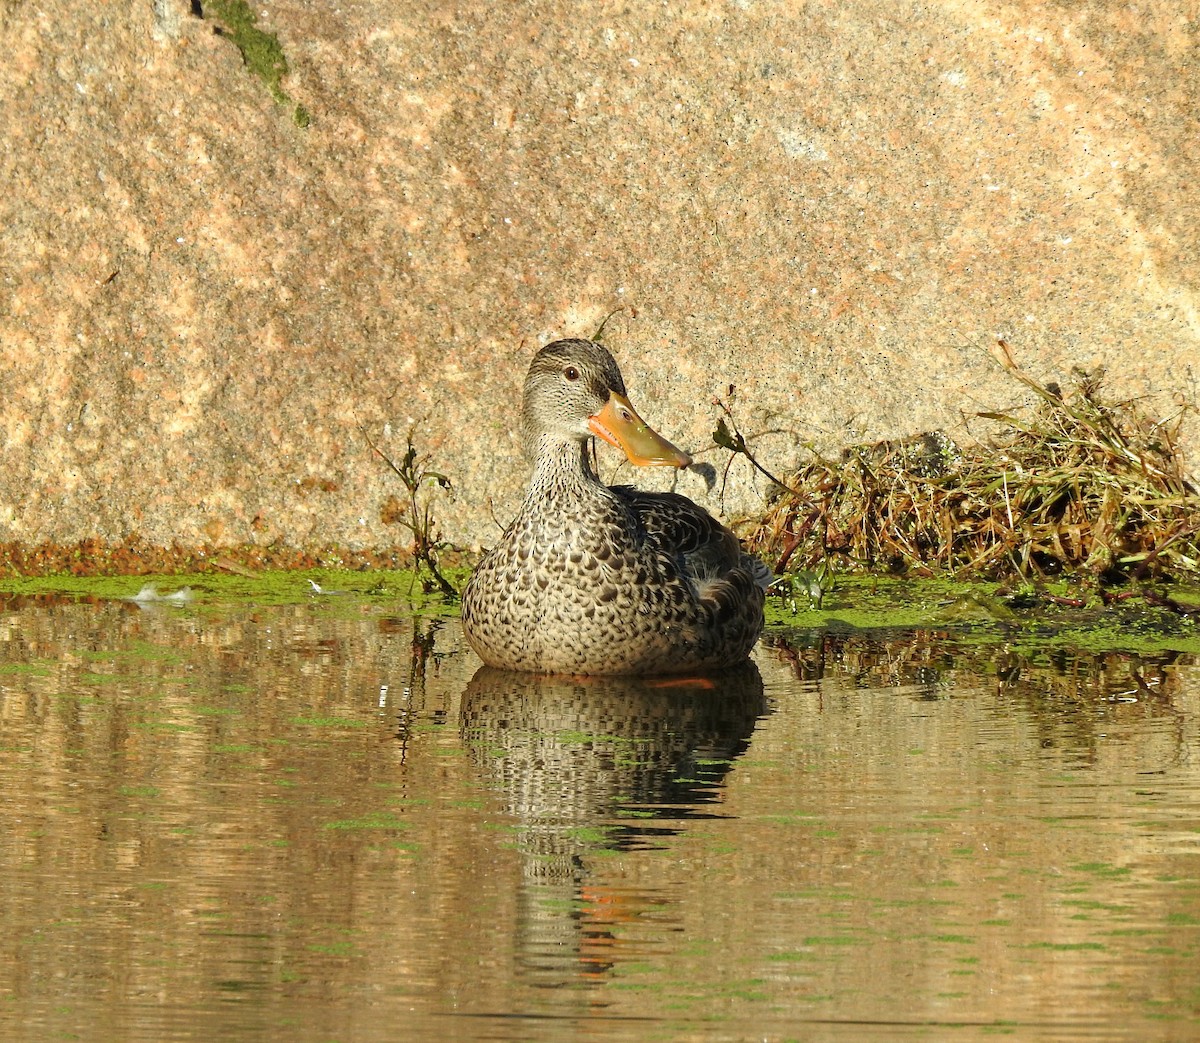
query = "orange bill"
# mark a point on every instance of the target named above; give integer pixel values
(618, 424)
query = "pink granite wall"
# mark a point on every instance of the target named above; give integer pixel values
(836, 206)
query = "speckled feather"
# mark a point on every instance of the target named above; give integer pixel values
(596, 580)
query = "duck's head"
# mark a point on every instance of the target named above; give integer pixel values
(573, 391)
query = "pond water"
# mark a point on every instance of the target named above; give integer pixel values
(327, 822)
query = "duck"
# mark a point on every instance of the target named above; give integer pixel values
(591, 579)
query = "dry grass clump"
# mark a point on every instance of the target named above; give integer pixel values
(1081, 484)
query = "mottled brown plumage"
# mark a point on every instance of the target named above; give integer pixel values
(590, 579)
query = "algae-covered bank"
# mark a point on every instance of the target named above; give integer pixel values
(1072, 522)
(1027, 619)
(1073, 527)
(403, 588)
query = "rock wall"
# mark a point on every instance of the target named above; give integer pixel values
(213, 293)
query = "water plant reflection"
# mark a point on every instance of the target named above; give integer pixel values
(1076, 697)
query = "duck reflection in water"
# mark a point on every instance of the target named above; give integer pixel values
(586, 765)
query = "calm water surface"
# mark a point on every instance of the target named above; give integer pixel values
(328, 822)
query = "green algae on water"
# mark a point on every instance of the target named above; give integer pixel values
(992, 614)
(330, 587)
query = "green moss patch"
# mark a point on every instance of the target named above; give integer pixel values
(261, 51)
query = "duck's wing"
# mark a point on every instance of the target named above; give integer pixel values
(708, 551)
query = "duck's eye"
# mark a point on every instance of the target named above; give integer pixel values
(571, 373)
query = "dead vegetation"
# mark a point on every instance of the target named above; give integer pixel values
(1078, 484)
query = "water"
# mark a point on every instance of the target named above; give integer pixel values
(327, 822)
